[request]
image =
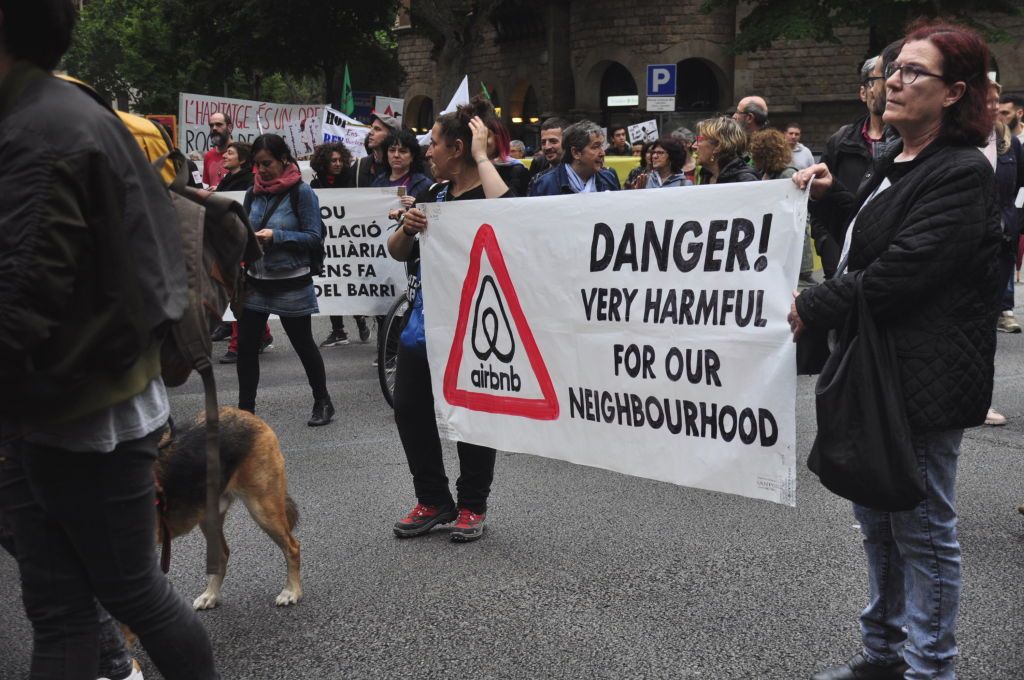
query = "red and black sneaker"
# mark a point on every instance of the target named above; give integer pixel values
(469, 526)
(422, 519)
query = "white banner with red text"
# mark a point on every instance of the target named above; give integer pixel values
(299, 124)
(642, 332)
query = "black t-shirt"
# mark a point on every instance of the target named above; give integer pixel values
(901, 169)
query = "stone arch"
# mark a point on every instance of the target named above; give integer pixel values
(717, 59)
(420, 107)
(697, 86)
(590, 71)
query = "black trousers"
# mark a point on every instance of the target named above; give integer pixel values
(414, 415)
(300, 333)
(85, 530)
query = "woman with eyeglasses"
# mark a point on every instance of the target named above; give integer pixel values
(923, 236)
(667, 161)
(720, 145)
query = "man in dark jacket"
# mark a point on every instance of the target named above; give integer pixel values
(91, 271)
(368, 168)
(848, 155)
(550, 146)
(581, 169)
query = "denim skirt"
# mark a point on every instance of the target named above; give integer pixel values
(294, 302)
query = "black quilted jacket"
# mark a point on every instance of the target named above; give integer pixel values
(929, 247)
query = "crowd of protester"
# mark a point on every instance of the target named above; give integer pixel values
(934, 252)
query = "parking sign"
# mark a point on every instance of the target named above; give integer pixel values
(661, 80)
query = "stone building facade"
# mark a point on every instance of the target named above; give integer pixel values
(566, 57)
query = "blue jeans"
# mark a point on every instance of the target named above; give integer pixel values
(914, 569)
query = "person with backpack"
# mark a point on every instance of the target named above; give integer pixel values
(92, 273)
(285, 213)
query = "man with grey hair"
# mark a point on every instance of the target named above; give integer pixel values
(582, 168)
(848, 155)
(516, 149)
(752, 114)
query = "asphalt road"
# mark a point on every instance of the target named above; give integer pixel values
(582, 573)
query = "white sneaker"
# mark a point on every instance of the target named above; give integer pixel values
(1007, 323)
(994, 417)
(136, 673)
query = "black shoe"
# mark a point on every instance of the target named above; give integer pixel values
(221, 332)
(335, 338)
(364, 330)
(323, 411)
(859, 668)
(229, 357)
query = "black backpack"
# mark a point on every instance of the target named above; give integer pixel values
(317, 255)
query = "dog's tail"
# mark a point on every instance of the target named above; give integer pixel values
(291, 512)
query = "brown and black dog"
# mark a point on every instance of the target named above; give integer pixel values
(252, 469)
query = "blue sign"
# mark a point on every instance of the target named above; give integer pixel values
(661, 80)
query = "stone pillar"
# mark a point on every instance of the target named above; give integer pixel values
(558, 67)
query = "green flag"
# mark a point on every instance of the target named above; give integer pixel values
(348, 102)
(487, 95)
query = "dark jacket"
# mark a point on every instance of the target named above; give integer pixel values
(237, 181)
(343, 181)
(848, 157)
(928, 247)
(365, 170)
(418, 183)
(295, 236)
(735, 170)
(91, 267)
(1009, 179)
(556, 182)
(516, 176)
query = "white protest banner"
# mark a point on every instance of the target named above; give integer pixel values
(643, 332)
(359, 275)
(643, 132)
(303, 137)
(389, 106)
(337, 127)
(194, 113)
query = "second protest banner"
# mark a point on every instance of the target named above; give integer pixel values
(359, 275)
(643, 332)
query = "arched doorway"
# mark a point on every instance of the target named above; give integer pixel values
(618, 84)
(698, 88)
(419, 114)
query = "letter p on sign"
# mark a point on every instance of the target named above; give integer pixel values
(661, 80)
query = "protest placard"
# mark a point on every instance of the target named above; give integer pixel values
(359, 275)
(247, 116)
(335, 126)
(642, 332)
(389, 106)
(646, 131)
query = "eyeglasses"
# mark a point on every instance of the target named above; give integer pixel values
(658, 152)
(869, 81)
(909, 73)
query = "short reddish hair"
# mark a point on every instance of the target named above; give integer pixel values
(965, 57)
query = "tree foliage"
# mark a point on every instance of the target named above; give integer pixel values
(150, 50)
(818, 20)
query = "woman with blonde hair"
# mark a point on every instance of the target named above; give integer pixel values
(720, 145)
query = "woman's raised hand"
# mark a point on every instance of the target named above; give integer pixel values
(480, 135)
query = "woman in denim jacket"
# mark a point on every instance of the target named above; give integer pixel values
(282, 282)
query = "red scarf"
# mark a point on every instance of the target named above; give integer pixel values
(283, 182)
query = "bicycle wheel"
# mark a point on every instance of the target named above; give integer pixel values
(387, 347)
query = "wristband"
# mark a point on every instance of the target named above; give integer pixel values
(410, 234)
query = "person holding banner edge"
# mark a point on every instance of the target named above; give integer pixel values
(923, 234)
(458, 155)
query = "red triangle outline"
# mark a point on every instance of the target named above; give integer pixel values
(545, 408)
